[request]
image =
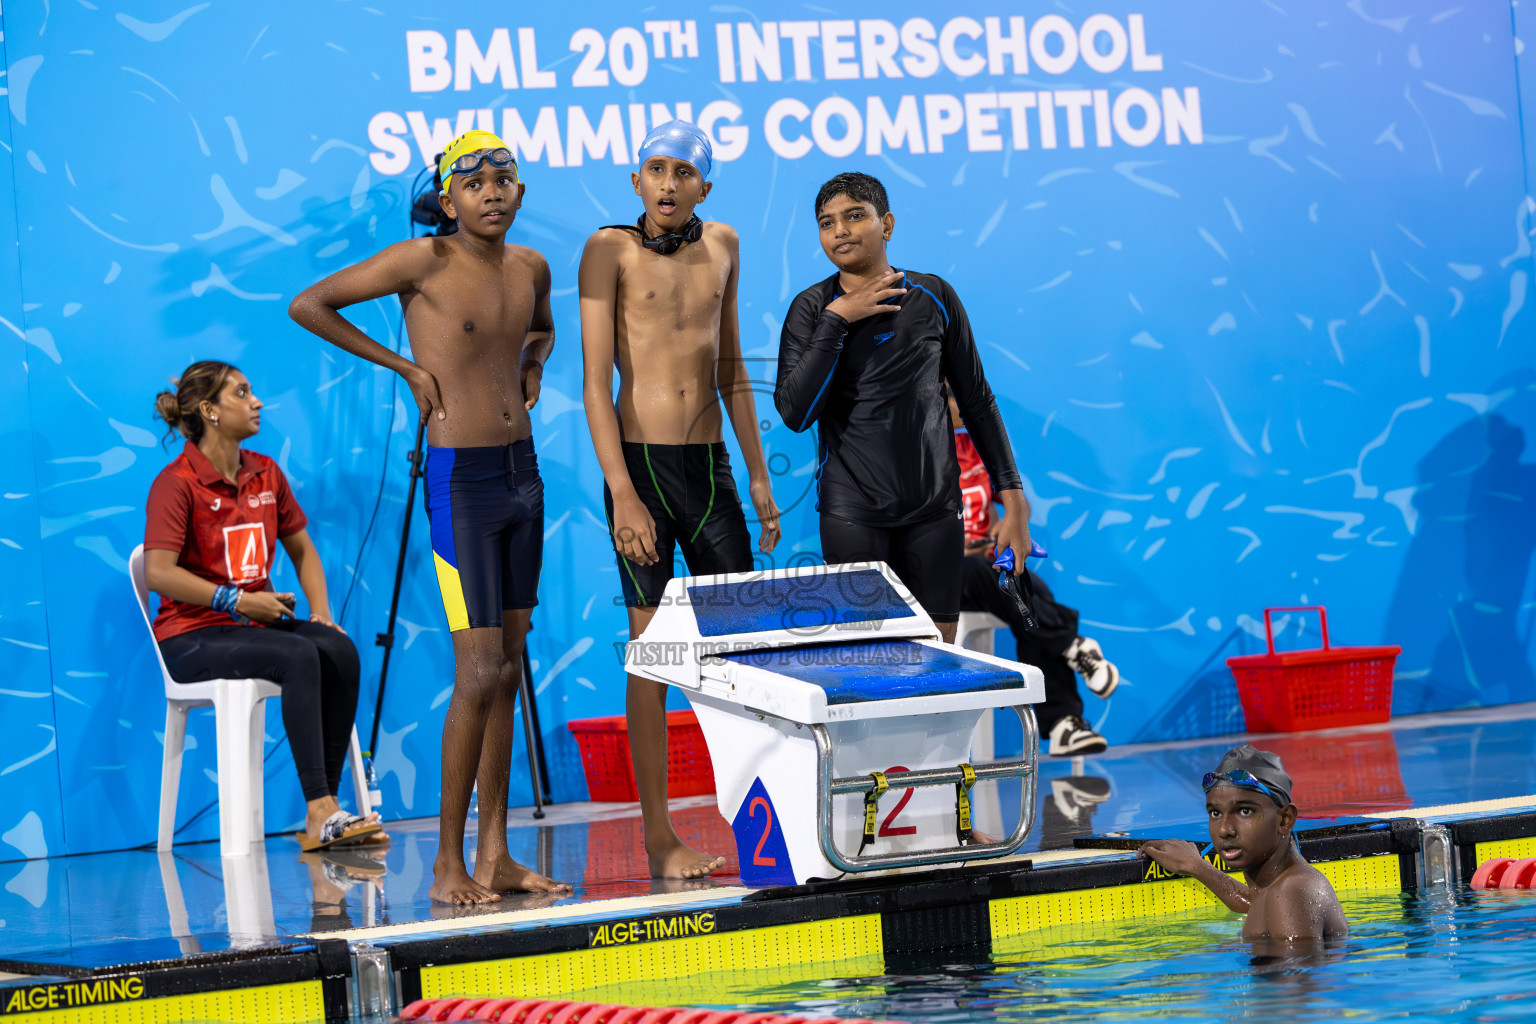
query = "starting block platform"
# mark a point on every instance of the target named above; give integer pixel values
(824, 682)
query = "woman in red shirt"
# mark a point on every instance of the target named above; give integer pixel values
(214, 518)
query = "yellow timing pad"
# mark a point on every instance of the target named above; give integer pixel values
(453, 594)
(299, 1002)
(626, 954)
(1516, 848)
(790, 950)
(1019, 915)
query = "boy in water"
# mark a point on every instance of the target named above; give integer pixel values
(1248, 800)
(477, 313)
(658, 300)
(865, 354)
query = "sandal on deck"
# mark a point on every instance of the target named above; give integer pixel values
(341, 827)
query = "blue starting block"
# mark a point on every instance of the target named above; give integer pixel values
(823, 682)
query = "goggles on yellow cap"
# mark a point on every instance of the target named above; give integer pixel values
(463, 155)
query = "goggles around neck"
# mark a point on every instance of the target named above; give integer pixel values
(672, 241)
(668, 243)
(1239, 778)
(469, 163)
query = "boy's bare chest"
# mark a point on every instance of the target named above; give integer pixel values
(480, 304)
(669, 289)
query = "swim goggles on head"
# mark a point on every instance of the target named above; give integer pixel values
(1239, 778)
(469, 163)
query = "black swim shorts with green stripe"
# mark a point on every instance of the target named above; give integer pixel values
(690, 494)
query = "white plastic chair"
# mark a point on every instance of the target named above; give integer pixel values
(238, 725)
(974, 633)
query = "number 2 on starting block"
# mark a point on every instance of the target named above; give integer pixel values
(757, 830)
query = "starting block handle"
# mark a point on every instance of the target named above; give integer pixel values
(827, 787)
(935, 776)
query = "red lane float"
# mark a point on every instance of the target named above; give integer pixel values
(1519, 875)
(562, 1011)
(573, 1012)
(1488, 875)
(1506, 873)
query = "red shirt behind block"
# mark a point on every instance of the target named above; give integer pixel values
(975, 488)
(222, 532)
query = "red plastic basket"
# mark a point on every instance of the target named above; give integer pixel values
(604, 744)
(1289, 691)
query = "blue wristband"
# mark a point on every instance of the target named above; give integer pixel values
(225, 598)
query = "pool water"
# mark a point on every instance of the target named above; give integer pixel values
(1455, 955)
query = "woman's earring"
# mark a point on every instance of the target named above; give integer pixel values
(214, 420)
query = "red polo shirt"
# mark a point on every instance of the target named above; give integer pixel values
(975, 488)
(225, 533)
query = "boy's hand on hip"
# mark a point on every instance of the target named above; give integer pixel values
(767, 515)
(634, 531)
(429, 397)
(869, 299)
(533, 377)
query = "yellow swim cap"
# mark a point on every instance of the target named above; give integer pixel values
(471, 141)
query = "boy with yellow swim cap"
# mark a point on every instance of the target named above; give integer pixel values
(658, 300)
(477, 313)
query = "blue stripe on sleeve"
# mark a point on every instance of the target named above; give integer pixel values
(812, 409)
(932, 296)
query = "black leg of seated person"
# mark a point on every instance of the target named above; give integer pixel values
(340, 675)
(291, 661)
(1056, 626)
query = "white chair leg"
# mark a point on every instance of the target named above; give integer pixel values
(979, 641)
(256, 745)
(359, 777)
(234, 708)
(170, 773)
(983, 746)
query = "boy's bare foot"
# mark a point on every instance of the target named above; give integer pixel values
(503, 874)
(452, 884)
(679, 861)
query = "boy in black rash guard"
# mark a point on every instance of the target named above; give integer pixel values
(865, 354)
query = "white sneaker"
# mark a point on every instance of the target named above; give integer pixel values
(1071, 735)
(1088, 661)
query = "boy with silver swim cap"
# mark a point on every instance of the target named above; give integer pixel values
(477, 311)
(678, 140)
(658, 300)
(1248, 805)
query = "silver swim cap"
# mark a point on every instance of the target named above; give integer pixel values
(682, 141)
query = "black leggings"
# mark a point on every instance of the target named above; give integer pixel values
(1043, 646)
(926, 557)
(317, 668)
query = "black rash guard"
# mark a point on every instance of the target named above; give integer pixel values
(887, 449)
